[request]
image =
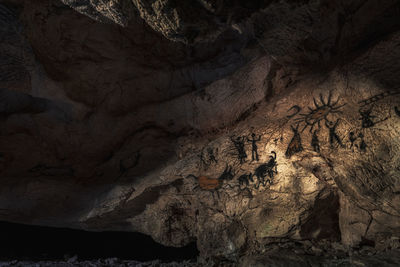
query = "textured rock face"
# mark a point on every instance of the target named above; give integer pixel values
(178, 20)
(120, 11)
(280, 126)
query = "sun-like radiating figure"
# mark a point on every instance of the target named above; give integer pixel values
(320, 112)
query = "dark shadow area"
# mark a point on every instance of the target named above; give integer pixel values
(323, 223)
(26, 242)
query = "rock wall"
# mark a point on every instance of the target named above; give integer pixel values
(276, 122)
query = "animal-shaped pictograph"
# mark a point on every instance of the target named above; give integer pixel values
(266, 170)
(245, 179)
(214, 184)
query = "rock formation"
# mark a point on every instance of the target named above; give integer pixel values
(241, 126)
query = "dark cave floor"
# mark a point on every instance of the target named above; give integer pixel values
(274, 256)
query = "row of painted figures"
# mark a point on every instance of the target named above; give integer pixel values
(265, 172)
(314, 117)
(295, 144)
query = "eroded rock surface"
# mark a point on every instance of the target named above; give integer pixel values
(278, 126)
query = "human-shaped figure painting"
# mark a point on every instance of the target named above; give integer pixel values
(254, 148)
(333, 137)
(239, 145)
(211, 155)
(315, 141)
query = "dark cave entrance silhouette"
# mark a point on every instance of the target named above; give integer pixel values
(27, 242)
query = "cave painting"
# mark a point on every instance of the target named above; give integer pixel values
(323, 107)
(367, 118)
(245, 179)
(320, 112)
(266, 170)
(239, 145)
(295, 145)
(209, 157)
(296, 109)
(264, 174)
(254, 148)
(376, 98)
(333, 137)
(315, 141)
(212, 184)
(352, 139)
(362, 146)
